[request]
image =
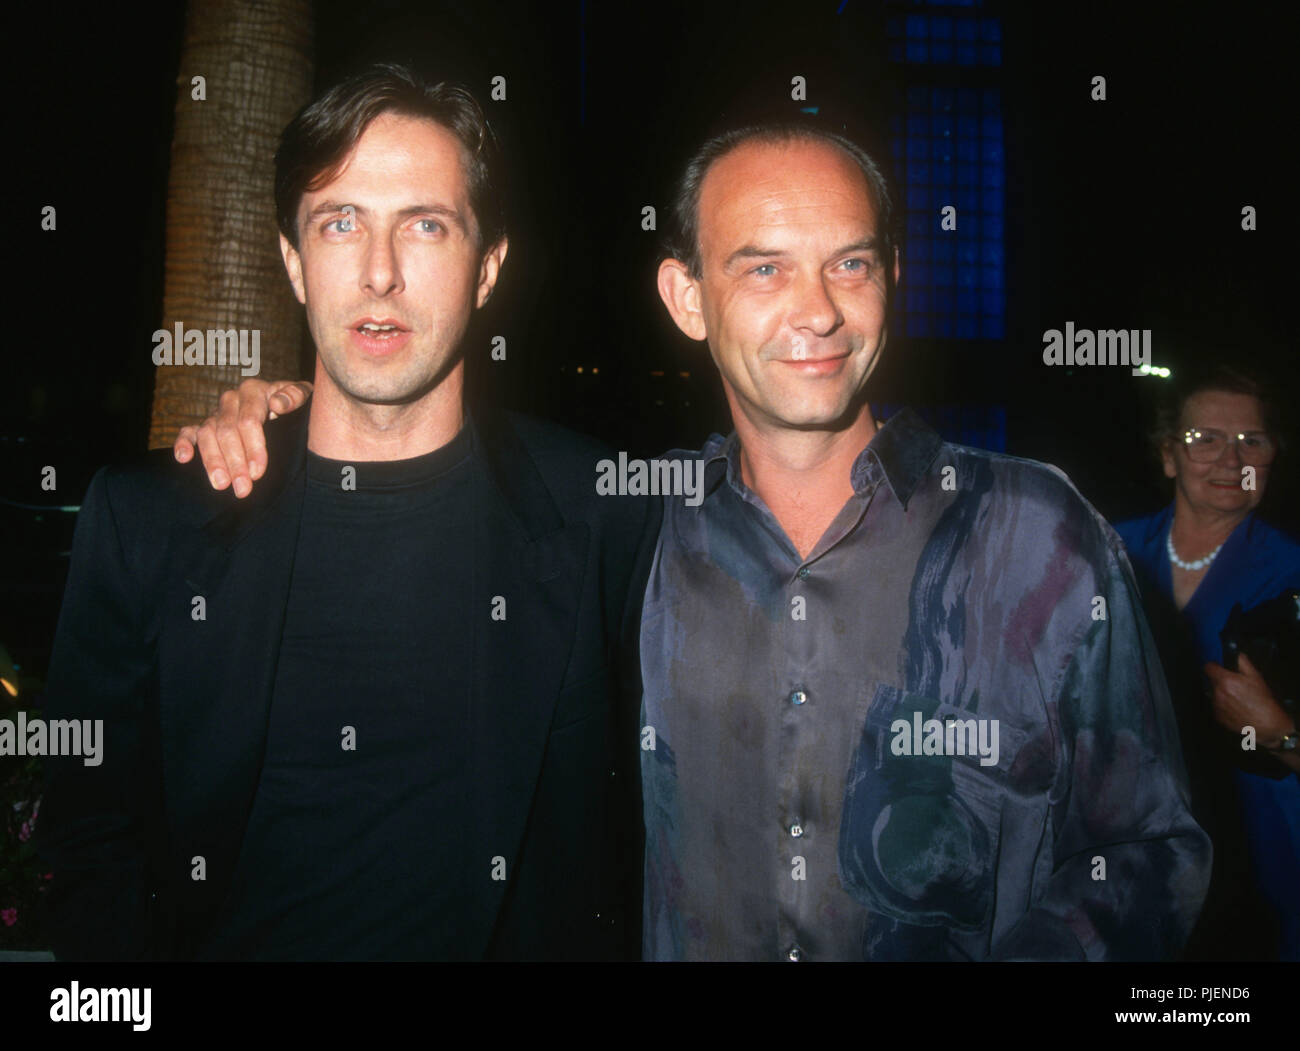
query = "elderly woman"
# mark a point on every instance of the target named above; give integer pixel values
(1201, 555)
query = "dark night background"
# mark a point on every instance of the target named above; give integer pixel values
(1117, 214)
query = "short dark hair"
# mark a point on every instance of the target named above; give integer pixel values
(683, 236)
(1228, 379)
(314, 145)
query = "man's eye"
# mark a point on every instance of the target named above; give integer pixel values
(856, 265)
(344, 225)
(764, 270)
(429, 226)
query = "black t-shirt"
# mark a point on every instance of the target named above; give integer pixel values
(354, 846)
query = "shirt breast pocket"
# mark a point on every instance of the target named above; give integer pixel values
(920, 828)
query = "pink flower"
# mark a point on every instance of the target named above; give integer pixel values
(25, 832)
(10, 916)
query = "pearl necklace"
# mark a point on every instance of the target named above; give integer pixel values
(1200, 563)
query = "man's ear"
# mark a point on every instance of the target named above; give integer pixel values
(490, 269)
(293, 264)
(681, 295)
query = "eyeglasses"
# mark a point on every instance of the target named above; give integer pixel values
(1204, 445)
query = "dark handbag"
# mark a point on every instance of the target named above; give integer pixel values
(1269, 635)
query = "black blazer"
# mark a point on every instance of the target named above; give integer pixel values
(185, 702)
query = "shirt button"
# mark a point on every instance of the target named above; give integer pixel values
(804, 572)
(795, 954)
(796, 830)
(798, 696)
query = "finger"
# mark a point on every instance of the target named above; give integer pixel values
(232, 451)
(290, 395)
(213, 462)
(231, 444)
(251, 415)
(1246, 667)
(183, 447)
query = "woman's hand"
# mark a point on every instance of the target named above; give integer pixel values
(1242, 698)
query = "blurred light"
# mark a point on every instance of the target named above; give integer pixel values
(8, 673)
(657, 372)
(594, 370)
(579, 370)
(684, 375)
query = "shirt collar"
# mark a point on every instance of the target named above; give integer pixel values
(721, 460)
(901, 453)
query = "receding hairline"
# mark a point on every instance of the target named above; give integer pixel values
(784, 140)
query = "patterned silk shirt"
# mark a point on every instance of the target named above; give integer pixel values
(944, 734)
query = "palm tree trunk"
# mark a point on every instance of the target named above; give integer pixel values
(223, 269)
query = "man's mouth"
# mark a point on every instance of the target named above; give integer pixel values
(816, 366)
(379, 336)
(373, 327)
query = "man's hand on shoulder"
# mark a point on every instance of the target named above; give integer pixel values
(232, 442)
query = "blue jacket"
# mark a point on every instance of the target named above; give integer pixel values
(1256, 563)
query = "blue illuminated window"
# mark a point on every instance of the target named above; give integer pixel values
(958, 36)
(948, 150)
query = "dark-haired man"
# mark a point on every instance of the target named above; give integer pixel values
(368, 713)
(904, 704)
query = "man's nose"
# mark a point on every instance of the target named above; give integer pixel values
(813, 307)
(382, 275)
